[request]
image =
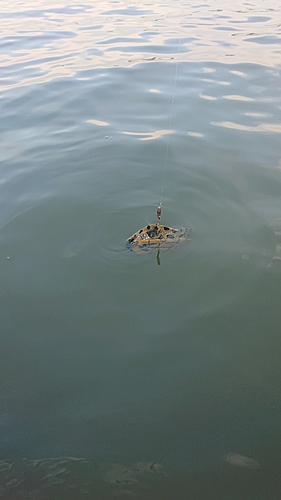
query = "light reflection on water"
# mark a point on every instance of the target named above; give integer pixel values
(39, 44)
(166, 378)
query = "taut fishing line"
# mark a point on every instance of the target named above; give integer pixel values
(156, 236)
(171, 120)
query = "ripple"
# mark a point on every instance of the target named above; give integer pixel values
(75, 299)
(99, 123)
(195, 134)
(262, 127)
(238, 73)
(269, 39)
(77, 35)
(129, 11)
(258, 115)
(209, 80)
(148, 136)
(208, 70)
(237, 98)
(207, 97)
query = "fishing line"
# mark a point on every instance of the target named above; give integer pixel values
(170, 123)
(155, 236)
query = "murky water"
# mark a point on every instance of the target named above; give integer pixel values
(121, 378)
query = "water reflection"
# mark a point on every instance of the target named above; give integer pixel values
(153, 373)
(263, 127)
(148, 136)
(67, 40)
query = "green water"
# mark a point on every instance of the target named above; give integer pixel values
(120, 378)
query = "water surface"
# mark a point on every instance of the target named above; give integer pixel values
(121, 378)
